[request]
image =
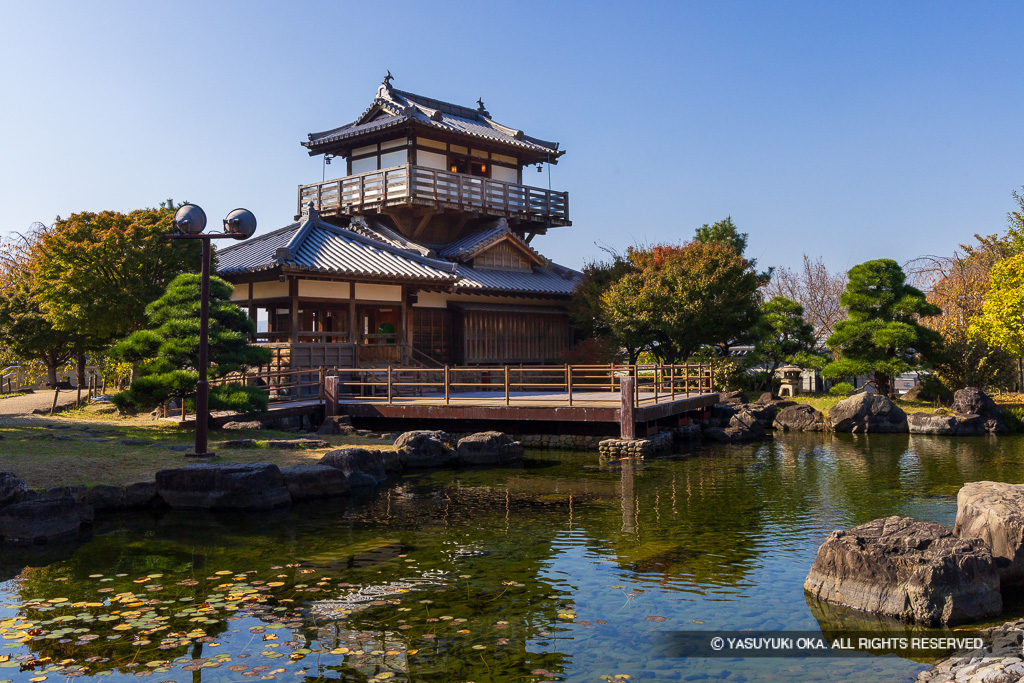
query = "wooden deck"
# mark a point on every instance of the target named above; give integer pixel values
(534, 407)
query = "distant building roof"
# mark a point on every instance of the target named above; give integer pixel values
(392, 108)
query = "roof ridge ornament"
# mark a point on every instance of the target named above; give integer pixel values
(388, 79)
(480, 109)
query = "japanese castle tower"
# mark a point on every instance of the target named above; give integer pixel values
(421, 254)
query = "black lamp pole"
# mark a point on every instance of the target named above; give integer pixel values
(190, 221)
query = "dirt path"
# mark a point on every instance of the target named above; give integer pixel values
(17, 406)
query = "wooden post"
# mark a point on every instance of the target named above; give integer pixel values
(446, 395)
(293, 298)
(331, 383)
(506, 385)
(657, 369)
(321, 383)
(252, 315)
(568, 381)
(389, 384)
(627, 423)
(56, 393)
(672, 380)
(352, 322)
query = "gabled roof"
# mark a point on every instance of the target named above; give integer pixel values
(317, 246)
(467, 247)
(376, 252)
(392, 107)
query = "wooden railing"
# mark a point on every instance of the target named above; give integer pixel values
(524, 384)
(281, 386)
(411, 183)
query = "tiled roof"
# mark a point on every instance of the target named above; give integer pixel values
(541, 281)
(317, 246)
(404, 107)
(472, 244)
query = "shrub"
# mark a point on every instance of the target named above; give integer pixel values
(842, 389)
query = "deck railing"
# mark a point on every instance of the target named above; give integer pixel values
(523, 384)
(411, 184)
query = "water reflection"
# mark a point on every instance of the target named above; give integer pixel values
(559, 569)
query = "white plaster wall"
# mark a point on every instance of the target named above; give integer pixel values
(431, 160)
(378, 292)
(265, 290)
(508, 175)
(324, 290)
(431, 300)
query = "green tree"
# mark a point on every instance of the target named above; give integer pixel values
(168, 350)
(882, 336)
(587, 311)
(724, 231)
(680, 298)
(102, 269)
(1001, 322)
(783, 336)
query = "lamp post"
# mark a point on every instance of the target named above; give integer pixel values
(189, 223)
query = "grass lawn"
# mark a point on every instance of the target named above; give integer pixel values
(89, 448)
(823, 402)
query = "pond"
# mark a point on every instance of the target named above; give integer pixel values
(555, 570)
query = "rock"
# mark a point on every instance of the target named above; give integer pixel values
(11, 488)
(134, 442)
(868, 413)
(42, 520)
(739, 434)
(799, 418)
(180, 449)
(488, 448)
(755, 413)
(294, 444)
(362, 466)
(720, 415)
(974, 401)
(422, 449)
(926, 423)
(766, 397)
(905, 568)
(140, 495)
(732, 397)
(315, 481)
(238, 443)
(336, 425)
(253, 424)
(233, 486)
(75, 493)
(105, 497)
(994, 512)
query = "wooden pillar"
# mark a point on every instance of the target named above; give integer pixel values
(627, 421)
(353, 332)
(252, 315)
(404, 328)
(331, 395)
(293, 296)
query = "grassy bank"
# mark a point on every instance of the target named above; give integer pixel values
(86, 448)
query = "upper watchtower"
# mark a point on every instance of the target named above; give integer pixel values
(437, 170)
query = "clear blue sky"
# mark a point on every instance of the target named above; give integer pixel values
(850, 131)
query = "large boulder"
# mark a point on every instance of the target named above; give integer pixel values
(43, 520)
(488, 448)
(732, 397)
(760, 413)
(994, 512)
(362, 466)
(905, 568)
(336, 425)
(720, 414)
(927, 423)
(227, 486)
(972, 402)
(799, 418)
(11, 488)
(423, 449)
(315, 481)
(868, 413)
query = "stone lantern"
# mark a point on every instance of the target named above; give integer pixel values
(790, 380)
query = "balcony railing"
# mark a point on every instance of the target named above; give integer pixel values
(411, 184)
